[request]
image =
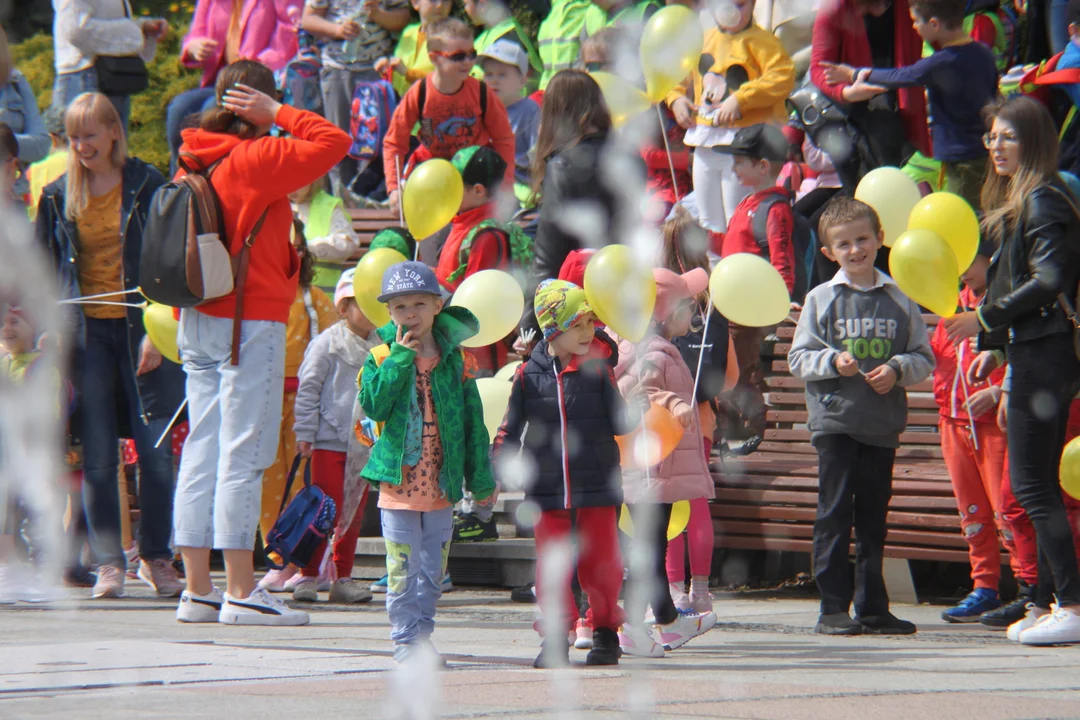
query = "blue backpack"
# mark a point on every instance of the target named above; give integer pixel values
(373, 105)
(301, 527)
(300, 84)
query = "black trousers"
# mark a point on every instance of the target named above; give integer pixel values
(1045, 375)
(660, 597)
(854, 487)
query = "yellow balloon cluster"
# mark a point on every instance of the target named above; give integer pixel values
(494, 396)
(432, 197)
(924, 267)
(670, 49)
(367, 283)
(621, 290)
(624, 101)
(893, 195)
(162, 327)
(680, 518)
(496, 299)
(952, 219)
(749, 291)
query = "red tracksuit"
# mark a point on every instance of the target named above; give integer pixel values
(328, 473)
(975, 472)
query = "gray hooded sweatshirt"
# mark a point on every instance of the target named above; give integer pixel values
(877, 326)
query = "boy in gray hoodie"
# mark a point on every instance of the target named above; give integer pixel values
(859, 342)
(326, 415)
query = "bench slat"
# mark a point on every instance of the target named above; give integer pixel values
(929, 419)
(911, 438)
(756, 542)
(762, 497)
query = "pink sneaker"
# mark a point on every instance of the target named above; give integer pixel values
(679, 597)
(684, 629)
(161, 576)
(110, 583)
(700, 604)
(583, 635)
(638, 641)
(275, 580)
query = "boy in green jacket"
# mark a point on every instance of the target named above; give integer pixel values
(433, 440)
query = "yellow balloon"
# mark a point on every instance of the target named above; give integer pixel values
(1069, 470)
(496, 299)
(494, 396)
(162, 327)
(670, 49)
(924, 267)
(621, 290)
(953, 220)
(367, 283)
(680, 518)
(507, 371)
(624, 101)
(432, 197)
(748, 291)
(893, 195)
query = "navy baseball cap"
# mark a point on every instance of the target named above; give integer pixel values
(409, 278)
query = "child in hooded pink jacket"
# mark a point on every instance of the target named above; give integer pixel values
(657, 367)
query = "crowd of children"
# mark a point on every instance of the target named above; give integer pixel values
(395, 410)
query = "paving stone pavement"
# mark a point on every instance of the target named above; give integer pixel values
(129, 658)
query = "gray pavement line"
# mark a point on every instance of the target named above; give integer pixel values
(80, 668)
(479, 660)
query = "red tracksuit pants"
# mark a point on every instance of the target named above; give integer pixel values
(328, 473)
(599, 564)
(1020, 527)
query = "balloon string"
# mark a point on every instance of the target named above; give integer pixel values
(140, 306)
(701, 350)
(964, 386)
(171, 423)
(667, 147)
(75, 301)
(644, 437)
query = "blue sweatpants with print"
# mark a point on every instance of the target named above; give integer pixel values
(417, 546)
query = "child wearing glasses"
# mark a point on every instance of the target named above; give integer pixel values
(453, 110)
(961, 79)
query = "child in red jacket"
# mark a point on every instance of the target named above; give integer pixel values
(975, 462)
(453, 110)
(760, 153)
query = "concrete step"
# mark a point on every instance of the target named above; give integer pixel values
(506, 562)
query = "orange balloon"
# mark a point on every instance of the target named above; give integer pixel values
(653, 441)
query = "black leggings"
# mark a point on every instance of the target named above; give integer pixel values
(1045, 378)
(660, 597)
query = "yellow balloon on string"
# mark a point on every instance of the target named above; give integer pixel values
(680, 518)
(670, 49)
(624, 101)
(162, 327)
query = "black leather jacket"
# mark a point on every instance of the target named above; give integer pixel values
(1038, 260)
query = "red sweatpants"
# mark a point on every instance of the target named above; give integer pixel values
(328, 473)
(976, 481)
(1022, 531)
(599, 563)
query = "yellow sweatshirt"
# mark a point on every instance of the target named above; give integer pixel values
(752, 65)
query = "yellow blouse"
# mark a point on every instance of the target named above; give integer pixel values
(101, 259)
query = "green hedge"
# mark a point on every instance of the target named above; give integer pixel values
(34, 57)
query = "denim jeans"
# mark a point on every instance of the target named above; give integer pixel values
(69, 86)
(417, 545)
(337, 87)
(185, 104)
(234, 416)
(109, 373)
(1045, 374)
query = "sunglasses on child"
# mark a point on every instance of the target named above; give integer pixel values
(458, 57)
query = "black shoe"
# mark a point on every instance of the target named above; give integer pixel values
(837, 624)
(557, 656)
(469, 528)
(887, 624)
(525, 594)
(1006, 615)
(605, 649)
(79, 576)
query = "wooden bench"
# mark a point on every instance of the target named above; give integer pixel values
(768, 500)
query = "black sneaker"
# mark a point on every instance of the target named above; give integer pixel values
(605, 649)
(1006, 615)
(837, 624)
(79, 576)
(887, 624)
(469, 528)
(525, 594)
(557, 656)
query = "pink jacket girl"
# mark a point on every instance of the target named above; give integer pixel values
(266, 32)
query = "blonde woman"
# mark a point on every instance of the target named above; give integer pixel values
(91, 222)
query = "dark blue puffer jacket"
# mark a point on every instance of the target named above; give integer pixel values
(569, 418)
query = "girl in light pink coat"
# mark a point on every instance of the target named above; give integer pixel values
(656, 365)
(223, 31)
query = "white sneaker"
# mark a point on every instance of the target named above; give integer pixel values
(19, 583)
(199, 608)
(684, 629)
(639, 641)
(1062, 627)
(1033, 617)
(260, 608)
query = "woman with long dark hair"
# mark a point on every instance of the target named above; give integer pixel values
(1034, 219)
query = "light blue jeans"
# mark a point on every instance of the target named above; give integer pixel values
(234, 414)
(69, 86)
(417, 545)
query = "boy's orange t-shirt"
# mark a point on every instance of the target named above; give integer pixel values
(419, 489)
(450, 123)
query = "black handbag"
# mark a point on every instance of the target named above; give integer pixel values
(121, 74)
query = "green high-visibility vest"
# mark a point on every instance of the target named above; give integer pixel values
(318, 225)
(596, 19)
(559, 39)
